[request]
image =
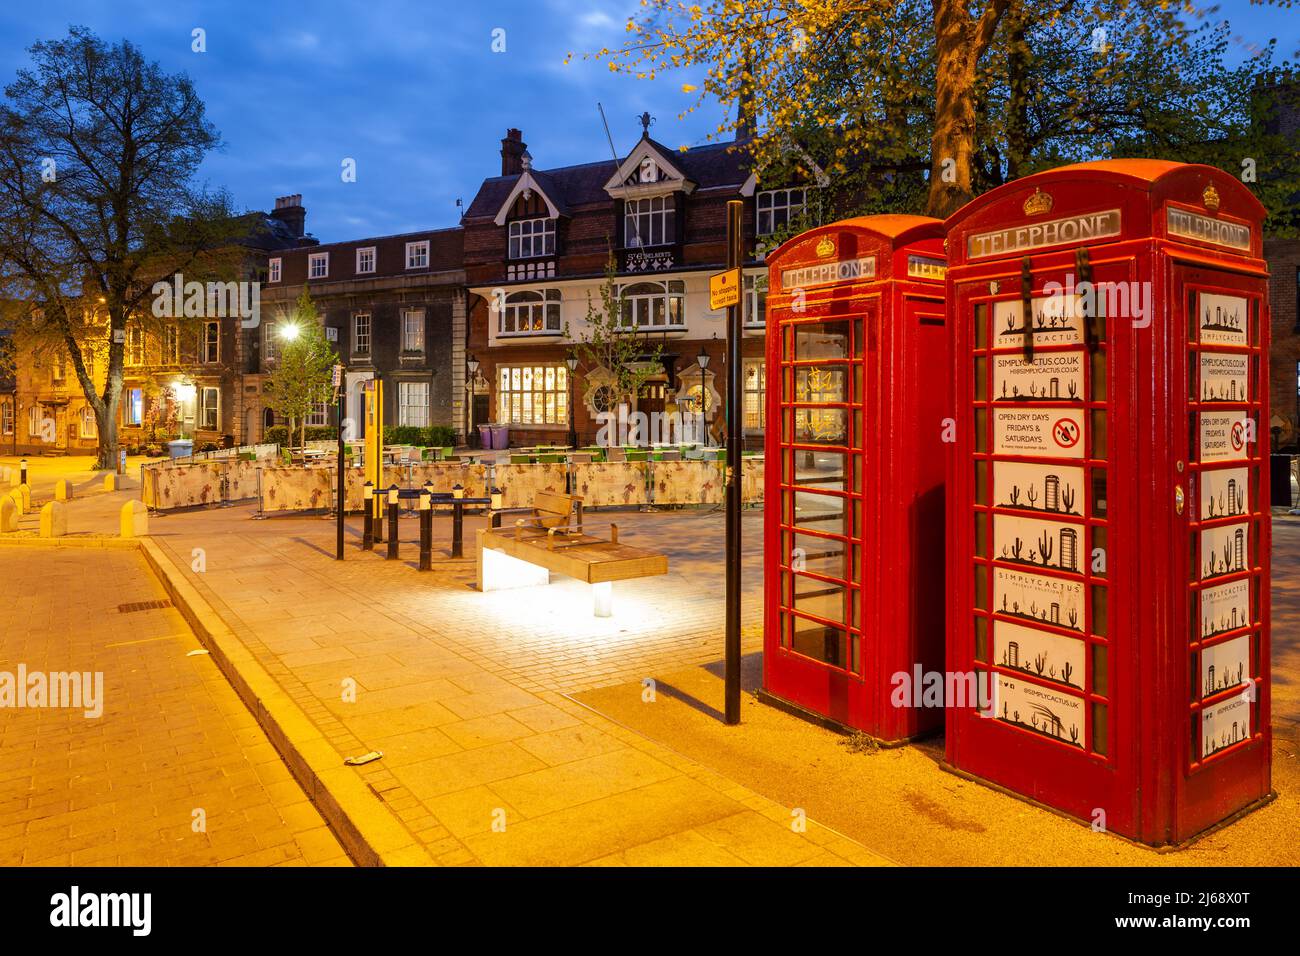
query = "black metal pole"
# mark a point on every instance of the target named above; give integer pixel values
(735, 320)
(342, 504)
(368, 525)
(393, 507)
(457, 526)
(426, 534)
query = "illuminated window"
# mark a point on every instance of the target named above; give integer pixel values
(172, 345)
(273, 270)
(533, 394)
(210, 343)
(413, 330)
(133, 410)
(756, 292)
(532, 237)
(134, 345)
(531, 312)
(755, 395)
(89, 427)
(319, 414)
(361, 333)
(7, 416)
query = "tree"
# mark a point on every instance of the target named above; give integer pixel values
(609, 342)
(303, 373)
(98, 149)
(928, 102)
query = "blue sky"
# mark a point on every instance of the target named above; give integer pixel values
(411, 90)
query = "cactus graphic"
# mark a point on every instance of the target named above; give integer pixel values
(1017, 548)
(1033, 609)
(1016, 716)
(1066, 670)
(1067, 499)
(1033, 389)
(1014, 495)
(1011, 323)
(1040, 663)
(1045, 548)
(1073, 390)
(1074, 733)
(1074, 617)
(1004, 388)
(1032, 495)
(1015, 607)
(1004, 603)
(1227, 557)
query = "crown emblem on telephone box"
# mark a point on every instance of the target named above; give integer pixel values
(826, 247)
(1210, 197)
(1038, 203)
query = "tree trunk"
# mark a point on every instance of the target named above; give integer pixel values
(1018, 95)
(953, 141)
(106, 423)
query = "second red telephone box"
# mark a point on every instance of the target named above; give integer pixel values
(1108, 520)
(858, 385)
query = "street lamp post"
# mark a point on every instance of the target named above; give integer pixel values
(572, 362)
(703, 360)
(472, 364)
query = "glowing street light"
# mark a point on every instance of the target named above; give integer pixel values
(289, 331)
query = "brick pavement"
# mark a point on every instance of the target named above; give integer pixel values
(122, 789)
(486, 758)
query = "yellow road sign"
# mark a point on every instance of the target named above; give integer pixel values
(724, 289)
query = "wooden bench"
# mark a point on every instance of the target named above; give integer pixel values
(550, 540)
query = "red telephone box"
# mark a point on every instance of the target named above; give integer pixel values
(858, 378)
(1108, 518)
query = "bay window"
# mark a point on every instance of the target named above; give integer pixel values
(533, 394)
(653, 305)
(532, 237)
(649, 222)
(531, 312)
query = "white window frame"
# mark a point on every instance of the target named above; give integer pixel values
(6, 416)
(319, 415)
(171, 345)
(760, 414)
(531, 312)
(531, 238)
(774, 208)
(648, 222)
(413, 331)
(203, 408)
(413, 404)
(210, 344)
(89, 426)
(417, 254)
(357, 333)
(270, 348)
(133, 408)
(273, 270)
(35, 417)
(374, 260)
(134, 345)
(521, 400)
(323, 260)
(57, 371)
(641, 308)
(756, 306)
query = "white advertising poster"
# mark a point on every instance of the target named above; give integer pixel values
(1052, 713)
(1047, 656)
(1225, 724)
(1222, 319)
(1038, 597)
(1050, 377)
(1223, 436)
(1046, 432)
(1225, 550)
(1056, 320)
(1225, 493)
(1225, 607)
(1052, 489)
(1224, 377)
(1038, 544)
(1225, 666)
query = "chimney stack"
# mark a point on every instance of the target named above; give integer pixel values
(513, 151)
(289, 210)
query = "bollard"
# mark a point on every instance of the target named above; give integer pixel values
(22, 471)
(426, 529)
(16, 497)
(62, 490)
(457, 525)
(8, 515)
(368, 527)
(134, 520)
(111, 482)
(25, 495)
(54, 520)
(392, 521)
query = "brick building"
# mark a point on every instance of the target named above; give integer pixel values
(394, 309)
(537, 243)
(1283, 257)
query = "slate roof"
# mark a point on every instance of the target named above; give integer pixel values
(717, 164)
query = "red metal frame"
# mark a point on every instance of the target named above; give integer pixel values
(1136, 766)
(838, 658)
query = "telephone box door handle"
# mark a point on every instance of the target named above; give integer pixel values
(1179, 499)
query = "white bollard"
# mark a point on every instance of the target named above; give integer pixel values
(54, 520)
(602, 595)
(135, 519)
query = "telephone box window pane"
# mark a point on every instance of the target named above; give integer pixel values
(821, 643)
(981, 639)
(981, 483)
(981, 379)
(820, 426)
(1098, 418)
(822, 468)
(981, 326)
(981, 587)
(1099, 492)
(824, 556)
(821, 340)
(819, 598)
(1100, 730)
(1099, 547)
(1098, 368)
(981, 428)
(1100, 683)
(1100, 611)
(981, 534)
(823, 383)
(820, 512)
(854, 666)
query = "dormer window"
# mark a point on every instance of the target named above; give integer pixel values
(532, 237)
(776, 207)
(417, 254)
(649, 222)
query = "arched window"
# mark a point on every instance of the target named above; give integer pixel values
(654, 305)
(531, 312)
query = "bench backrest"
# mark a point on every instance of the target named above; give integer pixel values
(553, 510)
